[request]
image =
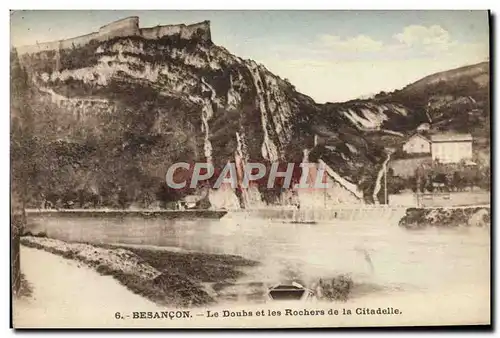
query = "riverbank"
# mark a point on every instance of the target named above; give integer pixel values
(416, 218)
(68, 294)
(181, 278)
(433, 277)
(176, 279)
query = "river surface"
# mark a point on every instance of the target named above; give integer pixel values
(380, 256)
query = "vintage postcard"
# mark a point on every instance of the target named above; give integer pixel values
(250, 169)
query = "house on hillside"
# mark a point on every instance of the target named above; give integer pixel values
(451, 148)
(417, 144)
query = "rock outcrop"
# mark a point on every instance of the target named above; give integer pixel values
(417, 218)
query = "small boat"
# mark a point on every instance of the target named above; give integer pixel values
(289, 291)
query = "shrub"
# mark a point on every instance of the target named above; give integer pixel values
(338, 288)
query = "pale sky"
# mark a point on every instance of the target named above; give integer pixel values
(328, 55)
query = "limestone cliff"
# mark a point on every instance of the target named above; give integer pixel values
(117, 107)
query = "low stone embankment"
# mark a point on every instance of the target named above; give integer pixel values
(416, 218)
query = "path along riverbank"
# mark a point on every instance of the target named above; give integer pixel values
(66, 292)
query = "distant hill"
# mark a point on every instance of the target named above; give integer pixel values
(455, 100)
(479, 73)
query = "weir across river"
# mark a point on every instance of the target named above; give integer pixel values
(387, 214)
(323, 215)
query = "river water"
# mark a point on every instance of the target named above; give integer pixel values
(380, 256)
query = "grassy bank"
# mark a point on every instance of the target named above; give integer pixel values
(164, 277)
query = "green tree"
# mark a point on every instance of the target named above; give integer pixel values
(21, 145)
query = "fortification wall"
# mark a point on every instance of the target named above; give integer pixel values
(121, 28)
(185, 32)
(125, 27)
(41, 47)
(160, 31)
(78, 41)
(58, 45)
(189, 31)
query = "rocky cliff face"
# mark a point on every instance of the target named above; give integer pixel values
(113, 114)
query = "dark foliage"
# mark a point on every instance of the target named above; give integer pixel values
(416, 218)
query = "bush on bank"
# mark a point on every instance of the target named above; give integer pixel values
(416, 218)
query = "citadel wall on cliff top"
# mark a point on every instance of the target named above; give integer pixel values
(122, 28)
